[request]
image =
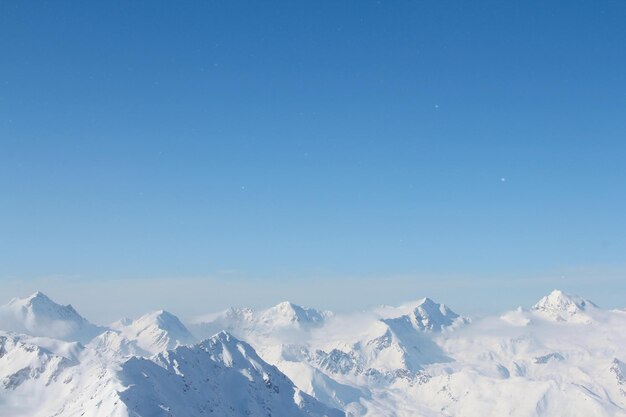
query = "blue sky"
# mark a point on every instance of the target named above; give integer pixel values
(415, 148)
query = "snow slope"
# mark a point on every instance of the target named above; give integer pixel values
(221, 376)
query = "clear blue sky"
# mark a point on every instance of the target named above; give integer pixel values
(273, 143)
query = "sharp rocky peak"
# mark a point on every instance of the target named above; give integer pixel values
(426, 314)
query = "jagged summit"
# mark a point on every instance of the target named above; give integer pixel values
(220, 376)
(428, 315)
(560, 306)
(223, 336)
(424, 314)
(229, 350)
(38, 315)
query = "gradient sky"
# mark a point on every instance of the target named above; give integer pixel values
(338, 153)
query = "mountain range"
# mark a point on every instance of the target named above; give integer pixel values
(563, 356)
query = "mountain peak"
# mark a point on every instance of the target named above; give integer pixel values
(287, 305)
(37, 298)
(223, 336)
(561, 306)
(222, 371)
(38, 315)
(163, 318)
(426, 301)
(425, 314)
(286, 313)
(38, 295)
(157, 331)
(562, 300)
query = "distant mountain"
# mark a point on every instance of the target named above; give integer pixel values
(559, 306)
(289, 314)
(38, 315)
(395, 344)
(156, 331)
(243, 322)
(237, 321)
(426, 315)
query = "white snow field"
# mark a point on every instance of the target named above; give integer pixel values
(564, 356)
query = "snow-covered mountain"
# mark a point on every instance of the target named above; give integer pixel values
(38, 315)
(386, 344)
(559, 306)
(289, 314)
(563, 356)
(282, 318)
(424, 315)
(156, 331)
(221, 376)
(424, 359)
(24, 359)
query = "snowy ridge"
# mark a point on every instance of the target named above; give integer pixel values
(22, 362)
(564, 356)
(221, 376)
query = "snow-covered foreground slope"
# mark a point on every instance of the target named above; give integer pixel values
(220, 376)
(564, 356)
